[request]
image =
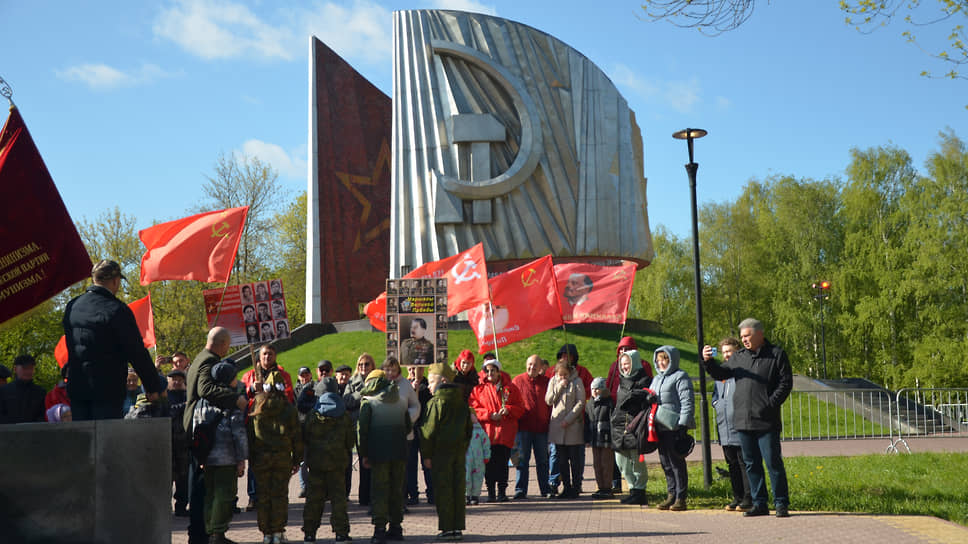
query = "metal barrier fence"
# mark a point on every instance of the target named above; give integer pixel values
(833, 414)
(931, 412)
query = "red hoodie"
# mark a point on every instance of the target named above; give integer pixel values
(614, 376)
(485, 400)
(537, 413)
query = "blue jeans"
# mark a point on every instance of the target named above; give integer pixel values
(554, 477)
(526, 441)
(759, 447)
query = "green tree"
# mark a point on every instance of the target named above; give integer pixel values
(240, 180)
(289, 244)
(663, 291)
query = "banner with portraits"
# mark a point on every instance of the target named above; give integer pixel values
(253, 313)
(416, 320)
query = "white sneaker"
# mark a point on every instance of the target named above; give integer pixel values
(267, 539)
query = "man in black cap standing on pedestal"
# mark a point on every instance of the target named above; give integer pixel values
(102, 339)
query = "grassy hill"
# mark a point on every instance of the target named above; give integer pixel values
(596, 349)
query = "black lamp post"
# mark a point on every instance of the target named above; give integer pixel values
(689, 135)
(822, 288)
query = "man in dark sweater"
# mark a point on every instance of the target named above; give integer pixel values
(764, 380)
(22, 401)
(102, 339)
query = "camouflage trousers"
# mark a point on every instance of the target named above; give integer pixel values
(447, 472)
(326, 485)
(386, 492)
(272, 473)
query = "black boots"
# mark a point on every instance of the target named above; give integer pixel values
(636, 496)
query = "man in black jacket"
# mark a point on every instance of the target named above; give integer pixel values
(22, 401)
(764, 380)
(102, 339)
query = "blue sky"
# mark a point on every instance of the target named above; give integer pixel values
(131, 102)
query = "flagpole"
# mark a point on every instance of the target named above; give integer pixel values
(218, 311)
(490, 310)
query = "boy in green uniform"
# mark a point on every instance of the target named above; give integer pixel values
(275, 449)
(383, 427)
(328, 435)
(443, 443)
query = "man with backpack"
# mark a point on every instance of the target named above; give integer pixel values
(202, 385)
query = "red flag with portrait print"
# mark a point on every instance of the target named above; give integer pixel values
(595, 294)
(201, 247)
(524, 302)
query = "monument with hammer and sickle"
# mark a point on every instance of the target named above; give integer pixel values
(502, 134)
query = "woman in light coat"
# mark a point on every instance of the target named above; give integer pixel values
(566, 430)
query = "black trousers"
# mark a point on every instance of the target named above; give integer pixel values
(496, 470)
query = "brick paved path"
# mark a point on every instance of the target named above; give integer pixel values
(585, 520)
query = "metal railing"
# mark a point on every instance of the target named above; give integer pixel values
(835, 414)
(925, 413)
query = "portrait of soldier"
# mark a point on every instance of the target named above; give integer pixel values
(267, 332)
(577, 289)
(442, 285)
(392, 340)
(264, 314)
(247, 294)
(442, 339)
(417, 350)
(261, 292)
(275, 288)
(278, 309)
(248, 313)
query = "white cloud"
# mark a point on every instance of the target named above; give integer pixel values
(464, 5)
(360, 31)
(289, 165)
(227, 29)
(220, 29)
(102, 77)
(682, 96)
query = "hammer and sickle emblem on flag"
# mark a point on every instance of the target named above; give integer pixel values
(220, 230)
(527, 277)
(468, 273)
(619, 274)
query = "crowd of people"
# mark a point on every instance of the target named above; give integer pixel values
(462, 428)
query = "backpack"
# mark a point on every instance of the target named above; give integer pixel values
(203, 437)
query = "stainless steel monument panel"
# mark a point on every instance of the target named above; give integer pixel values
(503, 134)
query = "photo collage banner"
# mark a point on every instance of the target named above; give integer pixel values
(417, 321)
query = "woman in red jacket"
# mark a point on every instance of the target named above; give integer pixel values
(498, 405)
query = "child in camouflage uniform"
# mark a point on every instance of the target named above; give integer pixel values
(444, 436)
(328, 435)
(383, 427)
(276, 449)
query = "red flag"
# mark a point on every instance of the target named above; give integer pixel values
(41, 253)
(146, 321)
(201, 247)
(525, 302)
(60, 351)
(466, 278)
(376, 310)
(595, 294)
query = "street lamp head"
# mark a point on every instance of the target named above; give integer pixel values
(689, 134)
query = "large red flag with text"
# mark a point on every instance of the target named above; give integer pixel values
(201, 247)
(524, 302)
(41, 253)
(595, 294)
(466, 275)
(141, 309)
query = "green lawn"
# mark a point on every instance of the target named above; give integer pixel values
(933, 484)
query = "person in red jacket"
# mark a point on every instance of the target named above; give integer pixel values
(254, 377)
(497, 404)
(533, 426)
